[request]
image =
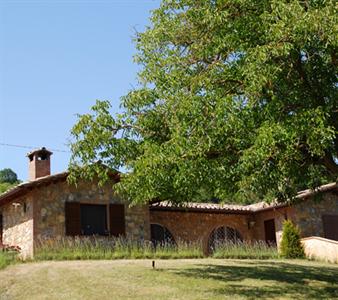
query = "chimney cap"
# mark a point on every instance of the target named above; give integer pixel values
(42, 151)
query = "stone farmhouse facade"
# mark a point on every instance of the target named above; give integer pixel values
(48, 207)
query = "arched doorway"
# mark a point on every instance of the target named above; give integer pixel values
(222, 235)
(160, 235)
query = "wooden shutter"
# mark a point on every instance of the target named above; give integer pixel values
(330, 226)
(117, 219)
(270, 231)
(73, 218)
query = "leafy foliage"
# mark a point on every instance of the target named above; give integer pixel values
(8, 175)
(237, 100)
(291, 246)
(8, 179)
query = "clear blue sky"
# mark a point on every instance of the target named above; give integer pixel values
(56, 58)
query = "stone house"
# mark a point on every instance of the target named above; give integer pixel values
(47, 206)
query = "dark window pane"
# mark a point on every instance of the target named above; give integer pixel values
(93, 219)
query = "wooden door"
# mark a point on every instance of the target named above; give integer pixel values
(330, 227)
(1, 229)
(270, 231)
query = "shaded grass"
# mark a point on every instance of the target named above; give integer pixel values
(272, 279)
(82, 248)
(172, 279)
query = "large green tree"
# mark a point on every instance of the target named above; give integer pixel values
(237, 99)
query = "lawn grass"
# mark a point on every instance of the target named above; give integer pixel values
(171, 279)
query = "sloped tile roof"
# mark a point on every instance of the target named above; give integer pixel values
(24, 186)
(256, 207)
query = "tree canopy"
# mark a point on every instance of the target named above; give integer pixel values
(8, 175)
(8, 179)
(237, 100)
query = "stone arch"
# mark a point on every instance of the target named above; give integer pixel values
(161, 235)
(223, 234)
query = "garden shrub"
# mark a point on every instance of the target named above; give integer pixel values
(291, 246)
(8, 255)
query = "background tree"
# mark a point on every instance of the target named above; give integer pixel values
(236, 100)
(8, 175)
(8, 179)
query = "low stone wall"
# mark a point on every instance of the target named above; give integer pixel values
(320, 248)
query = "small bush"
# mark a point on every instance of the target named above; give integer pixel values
(291, 246)
(245, 250)
(8, 255)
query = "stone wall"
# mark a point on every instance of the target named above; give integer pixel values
(18, 225)
(49, 208)
(308, 213)
(278, 215)
(197, 226)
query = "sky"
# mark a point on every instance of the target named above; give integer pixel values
(56, 58)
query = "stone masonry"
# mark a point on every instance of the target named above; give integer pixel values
(192, 226)
(49, 208)
(197, 226)
(18, 225)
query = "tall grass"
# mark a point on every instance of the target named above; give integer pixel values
(95, 247)
(77, 248)
(245, 250)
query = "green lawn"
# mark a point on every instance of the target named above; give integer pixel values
(172, 279)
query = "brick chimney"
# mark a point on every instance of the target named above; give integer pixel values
(39, 163)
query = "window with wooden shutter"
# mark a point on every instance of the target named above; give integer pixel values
(117, 219)
(73, 218)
